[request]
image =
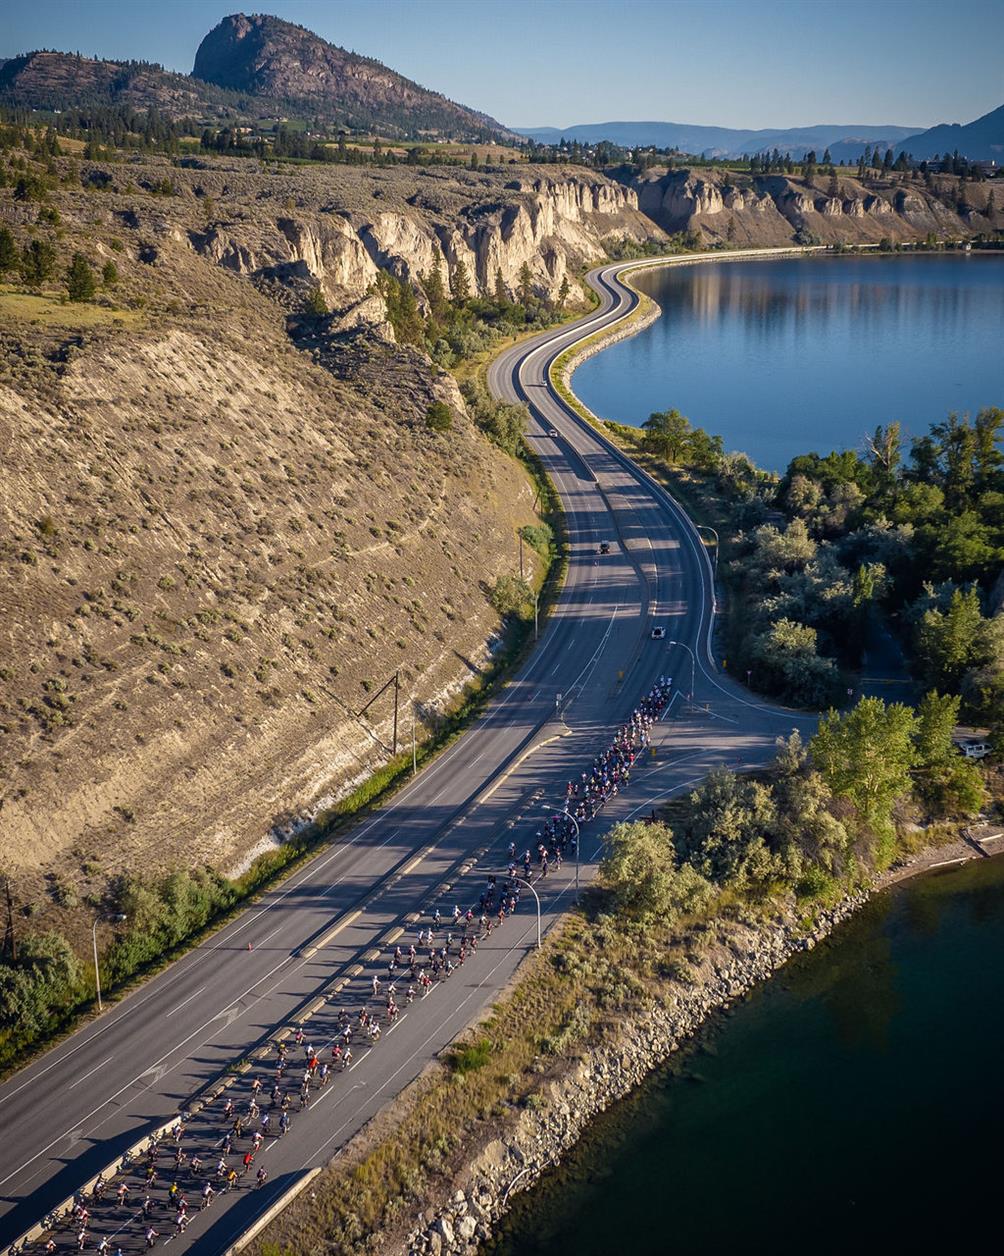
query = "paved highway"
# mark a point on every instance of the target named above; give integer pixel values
(317, 940)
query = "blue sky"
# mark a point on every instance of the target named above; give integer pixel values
(741, 63)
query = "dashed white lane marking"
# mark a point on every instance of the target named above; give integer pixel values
(179, 1006)
(89, 1073)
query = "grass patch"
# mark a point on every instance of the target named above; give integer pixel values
(48, 310)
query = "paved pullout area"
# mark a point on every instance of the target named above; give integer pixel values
(316, 941)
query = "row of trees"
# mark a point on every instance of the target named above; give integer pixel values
(38, 262)
(821, 818)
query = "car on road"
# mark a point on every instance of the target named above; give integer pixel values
(553, 433)
(658, 634)
(604, 547)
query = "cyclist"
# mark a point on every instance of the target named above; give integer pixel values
(262, 1176)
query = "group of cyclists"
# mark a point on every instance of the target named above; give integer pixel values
(232, 1135)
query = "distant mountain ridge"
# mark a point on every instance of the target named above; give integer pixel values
(980, 140)
(251, 67)
(719, 141)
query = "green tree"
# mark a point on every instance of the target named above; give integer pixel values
(957, 443)
(435, 291)
(439, 417)
(667, 434)
(315, 304)
(947, 782)
(640, 872)
(38, 261)
(109, 274)
(866, 756)
(724, 835)
(80, 281)
(563, 293)
(501, 293)
(42, 980)
(987, 457)
(402, 308)
(949, 642)
(461, 283)
(8, 251)
(524, 289)
(885, 452)
(503, 424)
(786, 661)
(512, 596)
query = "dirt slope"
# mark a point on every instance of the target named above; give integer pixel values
(212, 552)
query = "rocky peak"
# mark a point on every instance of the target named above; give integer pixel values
(269, 57)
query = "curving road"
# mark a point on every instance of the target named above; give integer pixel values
(314, 943)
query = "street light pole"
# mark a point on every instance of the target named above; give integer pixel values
(536, 896)
(529, 885)
(706, 527)
(578, 842)
(94, 942)
(693, 664)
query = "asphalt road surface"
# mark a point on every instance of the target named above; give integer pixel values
(318, 939)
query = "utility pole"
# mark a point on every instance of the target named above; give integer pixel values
(397, 694)
(414, 744)
(520, 535)
(9, 936)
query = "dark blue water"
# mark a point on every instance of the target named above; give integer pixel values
(787, 356)
(855, 1103)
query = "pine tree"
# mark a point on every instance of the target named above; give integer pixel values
(315, 303)
(461, 283)
(563, 292)
(109, 274)
(8, 251)
(435, 291)
(501, 293)
(38, 261)
(80, 281)
(525, 289)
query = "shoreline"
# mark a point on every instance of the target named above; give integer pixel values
(498, 1168)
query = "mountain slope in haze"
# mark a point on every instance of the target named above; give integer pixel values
(268, 57)
(65, 80)
(720, 141)
(981, 140)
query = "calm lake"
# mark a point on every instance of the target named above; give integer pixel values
(787, 356)
(854, 1103)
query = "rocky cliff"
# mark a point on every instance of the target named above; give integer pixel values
(775, 209)
(337, 227)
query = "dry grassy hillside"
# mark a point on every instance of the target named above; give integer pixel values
(212, 551)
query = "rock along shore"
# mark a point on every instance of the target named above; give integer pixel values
(545, 1130)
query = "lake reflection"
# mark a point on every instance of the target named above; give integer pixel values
(786, 356)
